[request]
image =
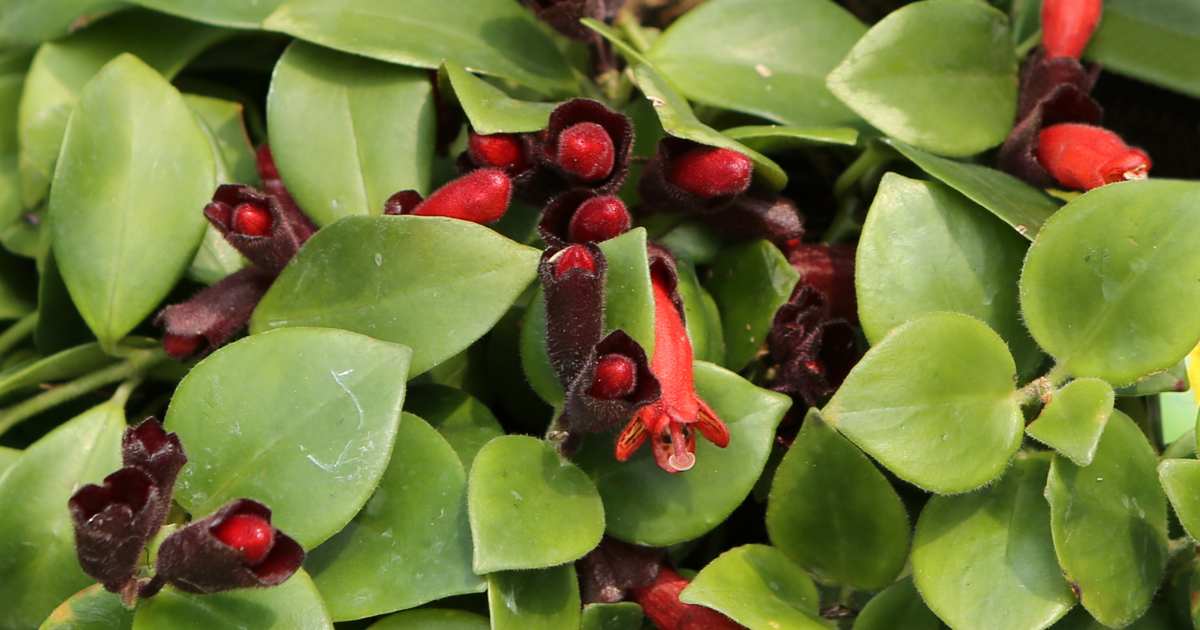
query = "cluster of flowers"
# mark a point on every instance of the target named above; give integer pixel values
(1057, 141)
(234, 547)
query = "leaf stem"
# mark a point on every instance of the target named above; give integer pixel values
(18, 332)
(877, 153)
(121, 396)
(1029, 44)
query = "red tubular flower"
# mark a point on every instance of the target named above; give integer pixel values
(711, 172)
(1086, 157)
(830, 270)
(668, 422)
(660, 602)
(480, 196)
(1067, 25)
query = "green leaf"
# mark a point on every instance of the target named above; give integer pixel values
(986, 560)
(676, 115)
(222, 12)
(1079, 619)
(496, 38)
(432, 619)
(28, 22)
(621, 616)
(1180, 478)
(302, 420)
(1072, 422)
(534, 360)
(933, 403)
(411, 543)
(758, 587)
(701, 318)
(940, 75)
(546, 599)
(490, 110)
(60, 327)
(749, 282)
(647, 506)
(736, 54)
(401, 279)
(689, 240)
(93, 608)
(771, 138)
(348, 133)
(37, 545)
(900, 607)
(62, 366)
(11, 87)
(135, 168)
(529, 507)
(234, 157)
(1099, 279)
(463, 421)
(834, 513)
(1174, 380)
(8, 459)
(926, 248)
(1157, 41)
(1110, 524)
(293, 605)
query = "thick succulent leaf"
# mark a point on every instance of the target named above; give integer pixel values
(749, 282)
(758, 587)
(293, 605)
(93, 608)
(11, 86)
(1072, 422)
(545, 599)
(1181, 478)
(234, 158)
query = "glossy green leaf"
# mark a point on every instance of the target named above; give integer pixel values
(834, 513)
(645, 505)
(135, 167)
(463, 421)
(736, 55)
(397, 278)
(1181, 478)
(490, 110)
(1157, 41)
(62, 366)
(985, 560)
(8, 458)
(676, 115)
(546, 599)
(529, 507)
(940, 75)
(233, 155)
(234, 13)
(750, 282)
(11, 87)
(689, 240)
(432, 619)
(701, 318)
(37, 544)
(93, 608)
(758, 587)
(926, 248)
(1109, 522)
(411, 543)
(933, 403)
(27, 22)
(302, 420)
(1174, 380)
(1072, 422)
(61, 70)
(621, 616)
(293, 605)
(1099, 279)
(770, 138)
(496, 38)
(348, 133)
(900, 607)
(60, 327)
(534, 360)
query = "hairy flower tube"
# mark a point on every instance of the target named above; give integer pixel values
(481, 196)
(660, 602)
(1084, 157)
(1067, 25)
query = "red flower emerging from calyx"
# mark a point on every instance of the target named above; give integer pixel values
(660, 602)
(671, 421)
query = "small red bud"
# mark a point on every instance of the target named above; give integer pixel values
(574, 257)
(252, 535)
(1067, 25)
(599, 219)
(480, 196)
(252, 220)
(616, 377)
(711, 172)
(504, 151)
(181, 346)
(1086, 157)
(586, 151)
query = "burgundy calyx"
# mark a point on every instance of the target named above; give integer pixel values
(480, 196)
(272, 251)
(581, 121)
(757, 214)
(403, 202)
(593, 405)
(564, 16)
(159, 454)
(582, 216)
(574, 297)
(113, 522)
(615, 566)
(812, 353)
(830, 270)
(213, 316)
(195, 560)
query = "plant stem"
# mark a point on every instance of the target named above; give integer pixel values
(1029, 44)
(876, 154)
(18, 332)
(122, 394)
(133, 367)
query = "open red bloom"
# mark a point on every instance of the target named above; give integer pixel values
(671, 422)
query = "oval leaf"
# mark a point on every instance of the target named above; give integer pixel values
(348, 133)
(1100, 276)
(940, 75)
(490, 110)
(411, 543)
(985, 560)
(529, 508)
(463, 421)
(546, 599)
(93, 608)
(833, 512)
(400, 279)
(749, 283)
(933, 403)
(1072, 422)
(770, 138)
(293, 605)
(302, 420)
(135, 171)
(758, 587)
(27, 22)
(1180, 478)
(900, 607)
(1110, 524)
(432, 619)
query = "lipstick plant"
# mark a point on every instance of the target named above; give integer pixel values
(599, 314)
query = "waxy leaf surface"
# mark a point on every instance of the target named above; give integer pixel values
(293, 605)
(899, 607)
(619, 616)
(1180, 478)
(401, 279)
(234, 157)
(749, 283)
(27, 22)
(64, 365)
(302, 420)
(758, 587)
(1157, 41)
(1109, 286)
(490, 110)
(1072, 422)
(432, 619)
(933, 403)
(463, 421)
(233, 13)
(777, 137)
(93, 608)
(545, 599)
(347, 133)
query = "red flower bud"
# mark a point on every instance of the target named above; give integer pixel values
(1086, 157)
(711, 172)
(599, 219)
(504, 151)
(248, 533)
(572, 258)
(1067, 25)
(480, 197)
(616, 377)
(252, 220)
(586, 151)
(181, 346)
